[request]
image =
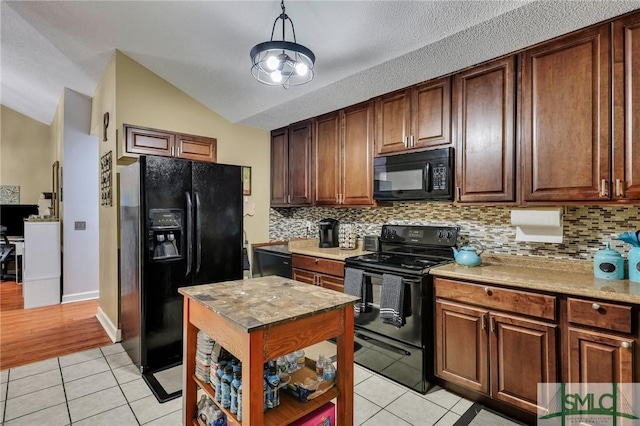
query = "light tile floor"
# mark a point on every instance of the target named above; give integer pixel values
(102, 387)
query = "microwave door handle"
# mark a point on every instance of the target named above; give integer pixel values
(427, 177)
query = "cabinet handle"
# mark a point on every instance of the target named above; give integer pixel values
(172, 151)
(405, 141)
(413, 142)
(603, 189)
(595, 307)
(484, 322)
(619, 189)
(288, 199)
(458, 193)
(626, 345)
(492, 322)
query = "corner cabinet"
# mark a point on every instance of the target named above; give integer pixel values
(291, 165)
(566, 88)
(415, 118)
(495, 341)
(484, 129)
(626, 108)
(147, 141)
(343, 157)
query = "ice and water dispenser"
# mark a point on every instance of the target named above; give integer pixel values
(165, 234)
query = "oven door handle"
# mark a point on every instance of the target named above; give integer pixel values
(405, 280)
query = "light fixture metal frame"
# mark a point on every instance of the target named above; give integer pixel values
(289, 53)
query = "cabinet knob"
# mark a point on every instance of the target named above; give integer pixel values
(626, 345)
(317, 260)
(595, 307)
(487, 290)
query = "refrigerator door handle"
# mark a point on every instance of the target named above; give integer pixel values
(189, 232)
(198, 234)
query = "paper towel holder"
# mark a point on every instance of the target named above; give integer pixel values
(542, 225)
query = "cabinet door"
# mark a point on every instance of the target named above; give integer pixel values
(484, 112)
(197, 148)
(599, 358)
(431, 114)
(326, 159)
(303, 276)
(144, 141)
(523, 354)
(300, 164)
(565, 108)
(331, 282)
(626, 104)
(357, 155)
(279, 167)
(392, 122)
(462, 346)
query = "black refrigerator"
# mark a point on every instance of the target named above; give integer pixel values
(180, 225)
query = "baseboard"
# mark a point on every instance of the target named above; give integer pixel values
(114, 333)
(77, 297)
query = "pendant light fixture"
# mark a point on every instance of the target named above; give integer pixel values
(280, 62)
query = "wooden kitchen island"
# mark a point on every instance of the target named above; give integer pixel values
(261, 319)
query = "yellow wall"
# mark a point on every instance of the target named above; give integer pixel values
(143, 98)
(26, 155)
(104, 100)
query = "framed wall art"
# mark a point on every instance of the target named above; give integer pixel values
(246, 180)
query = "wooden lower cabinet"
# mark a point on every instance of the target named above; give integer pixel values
(522, 354)
(485, 343)
(600, 358)
(323, 272)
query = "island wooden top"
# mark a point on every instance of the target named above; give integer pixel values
(260, 302)
(555, 276)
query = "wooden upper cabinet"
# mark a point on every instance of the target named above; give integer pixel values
(357, 155)
(484, 123)
(431, 114)
(300, 164)
(343, 157)
(565, 118)
(392, 122)
(626, 112)
(415, 118)
(146, 141)
(279, 167)
(327, 164)
(196, 148)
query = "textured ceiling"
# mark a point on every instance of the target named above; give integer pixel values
(363, 48)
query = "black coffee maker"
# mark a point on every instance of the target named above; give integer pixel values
(328, 233)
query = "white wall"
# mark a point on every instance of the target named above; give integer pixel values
(80, 195)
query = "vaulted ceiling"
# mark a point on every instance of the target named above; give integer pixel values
(363, 48)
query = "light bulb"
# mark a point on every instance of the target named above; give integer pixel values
(272, 62)
(301, 68)
(276, 76)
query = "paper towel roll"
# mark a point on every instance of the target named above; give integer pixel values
(538, 225)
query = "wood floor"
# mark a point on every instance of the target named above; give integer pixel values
(30, 335)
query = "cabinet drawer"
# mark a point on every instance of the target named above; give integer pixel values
(319, 264)
(600, 314)
(490, 297)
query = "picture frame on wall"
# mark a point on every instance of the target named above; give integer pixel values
(246, 180)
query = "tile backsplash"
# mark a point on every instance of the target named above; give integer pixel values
(585, 228)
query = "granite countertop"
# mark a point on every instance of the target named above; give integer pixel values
(310, 248)
(260, 302)
(569, 277)
(276, 248)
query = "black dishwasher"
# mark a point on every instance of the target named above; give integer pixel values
(271, 260)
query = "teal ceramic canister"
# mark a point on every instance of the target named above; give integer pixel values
(608, 264)
(634, 264)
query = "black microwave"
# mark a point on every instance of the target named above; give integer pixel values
(416, 176)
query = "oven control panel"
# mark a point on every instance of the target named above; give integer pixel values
(446, 236)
